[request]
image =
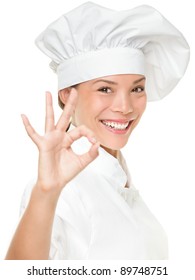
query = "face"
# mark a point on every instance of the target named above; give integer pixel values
(111, 107)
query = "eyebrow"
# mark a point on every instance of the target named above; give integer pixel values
(114, 83)
(106, 81)
(139, 80)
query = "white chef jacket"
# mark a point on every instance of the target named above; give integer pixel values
(97, 217)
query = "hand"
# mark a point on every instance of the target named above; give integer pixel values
(58, 164)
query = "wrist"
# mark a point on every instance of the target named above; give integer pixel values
(48, 187)
(45, 195)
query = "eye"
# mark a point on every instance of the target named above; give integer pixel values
(138, 89)
(105, 90)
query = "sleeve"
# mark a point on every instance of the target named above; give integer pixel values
(58, 240)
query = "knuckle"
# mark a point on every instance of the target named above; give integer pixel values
(69, 138)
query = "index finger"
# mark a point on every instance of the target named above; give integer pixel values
(69, 107)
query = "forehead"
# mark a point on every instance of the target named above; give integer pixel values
(116, 79)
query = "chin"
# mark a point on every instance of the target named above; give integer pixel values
(114, 146)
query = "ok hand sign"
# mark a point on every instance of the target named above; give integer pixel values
(58, 164)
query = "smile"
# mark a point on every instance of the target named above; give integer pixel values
(116, 126)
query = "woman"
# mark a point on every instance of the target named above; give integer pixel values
(83, 204)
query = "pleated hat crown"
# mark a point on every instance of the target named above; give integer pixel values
(92, 41)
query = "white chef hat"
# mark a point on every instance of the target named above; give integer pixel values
(92, 41)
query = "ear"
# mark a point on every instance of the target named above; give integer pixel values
(64, 94)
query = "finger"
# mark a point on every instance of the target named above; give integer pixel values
(69, 107)
(30, 130)
(77, 133)
(90, 155)
(49, 118)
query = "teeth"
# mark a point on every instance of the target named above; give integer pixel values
(118, 126)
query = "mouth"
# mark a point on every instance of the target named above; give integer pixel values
(119, 127)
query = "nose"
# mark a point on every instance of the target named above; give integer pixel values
(122, 103)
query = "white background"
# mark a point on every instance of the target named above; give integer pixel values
(160, 153)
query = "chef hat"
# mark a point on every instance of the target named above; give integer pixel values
(92, 41)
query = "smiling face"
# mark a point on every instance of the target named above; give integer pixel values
(111, 107)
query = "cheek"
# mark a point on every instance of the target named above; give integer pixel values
(92, 107)
(84, 111)
(141, 105)
(79, 114)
